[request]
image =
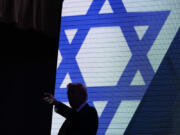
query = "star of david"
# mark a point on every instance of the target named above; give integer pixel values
(139, 49)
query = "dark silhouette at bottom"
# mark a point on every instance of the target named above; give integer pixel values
(81, 119)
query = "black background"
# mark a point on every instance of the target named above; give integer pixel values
(28, 60)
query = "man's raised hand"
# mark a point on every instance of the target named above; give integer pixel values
(49, 98)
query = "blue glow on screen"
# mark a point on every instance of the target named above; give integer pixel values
(114, 48)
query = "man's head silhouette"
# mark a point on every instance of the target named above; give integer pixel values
(77, 94)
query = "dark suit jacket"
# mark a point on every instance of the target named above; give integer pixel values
(84, 122)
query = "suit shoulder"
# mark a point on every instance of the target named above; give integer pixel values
(92, 109)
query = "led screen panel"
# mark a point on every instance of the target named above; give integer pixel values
(114, 47)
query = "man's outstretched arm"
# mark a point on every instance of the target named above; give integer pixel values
(60, 108)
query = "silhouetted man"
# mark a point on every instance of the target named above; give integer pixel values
(81, 119)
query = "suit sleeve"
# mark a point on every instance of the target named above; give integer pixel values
(64, 110)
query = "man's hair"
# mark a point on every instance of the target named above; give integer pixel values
(77, 87)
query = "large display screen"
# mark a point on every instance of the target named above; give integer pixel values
(113, 47)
